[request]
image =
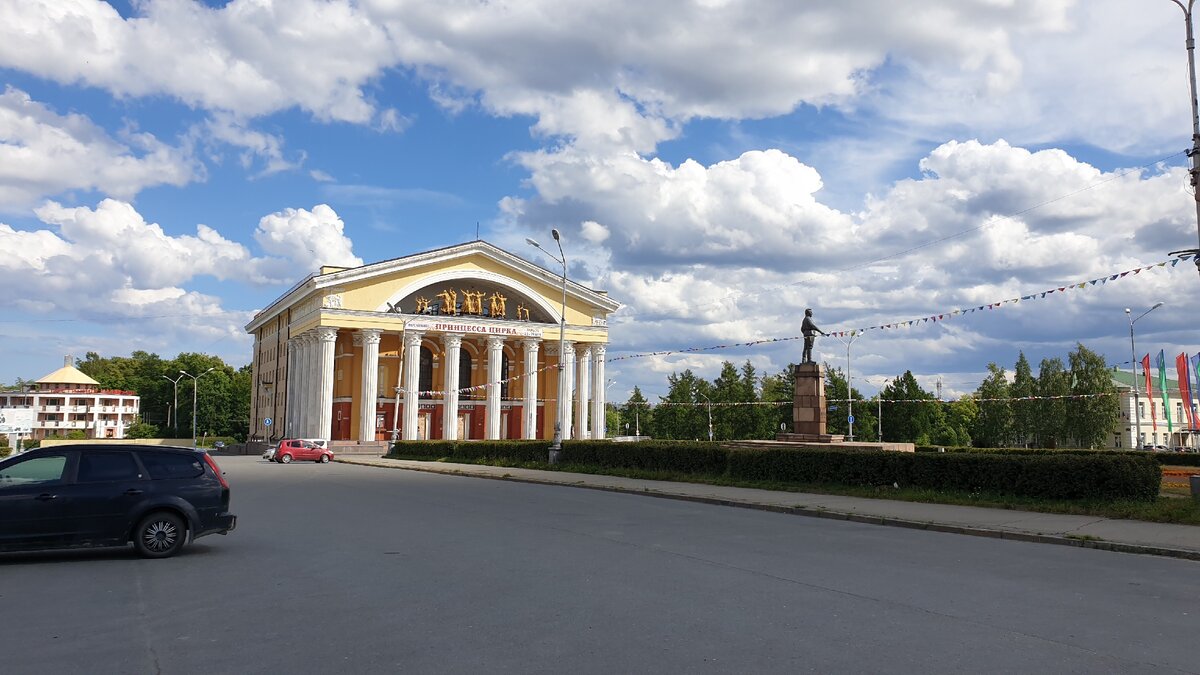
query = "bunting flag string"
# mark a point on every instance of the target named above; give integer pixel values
(863, 401)
(945, 315)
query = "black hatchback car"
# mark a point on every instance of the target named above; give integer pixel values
(109, 495)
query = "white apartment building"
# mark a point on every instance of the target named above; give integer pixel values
(1153, 417)
(68, 400)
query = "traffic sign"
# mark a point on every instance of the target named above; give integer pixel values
(266, 421)
(851, 418)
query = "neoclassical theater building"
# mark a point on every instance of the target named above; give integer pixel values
(455, 343)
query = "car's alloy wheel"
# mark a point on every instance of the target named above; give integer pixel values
(160, 535)
(324, 459)
(286, 459)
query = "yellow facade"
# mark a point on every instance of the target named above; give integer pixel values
(331, 354)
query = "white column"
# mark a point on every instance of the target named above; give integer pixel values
(567, 384)
(583, 388)
(305, 387)
(599, 393)
(530, 388)
(327, 337)
(412, 380)
(289, 397)
(368, 338)
(495, 357)
(451, 344)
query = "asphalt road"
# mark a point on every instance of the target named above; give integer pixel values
(350, 569)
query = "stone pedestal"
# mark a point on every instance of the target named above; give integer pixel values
(808, 406)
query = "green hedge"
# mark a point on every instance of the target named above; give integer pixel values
(1100, 475)
(1047, 476)
(1163, 458)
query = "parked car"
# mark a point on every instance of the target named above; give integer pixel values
(159, 498)
(302, 449)
(270, 453)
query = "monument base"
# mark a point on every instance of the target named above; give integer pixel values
(806, 442)
(811, 438)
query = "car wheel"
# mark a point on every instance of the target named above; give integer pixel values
(324, 459)
(286, 459)
(160, 535)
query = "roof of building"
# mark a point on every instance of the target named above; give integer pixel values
(67, 375)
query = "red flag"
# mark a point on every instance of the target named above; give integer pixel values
(1149, 390)
(1185, 394)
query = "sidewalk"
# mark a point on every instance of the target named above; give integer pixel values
(1129, 536)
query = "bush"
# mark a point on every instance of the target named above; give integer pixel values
(1044, 474)
(1164, 458)
(1101, 476)
(30, 443)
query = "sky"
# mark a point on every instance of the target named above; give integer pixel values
(168, 167)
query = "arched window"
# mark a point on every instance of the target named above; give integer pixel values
(464, 370)
(426, 370)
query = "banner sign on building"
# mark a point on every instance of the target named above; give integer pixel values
(451, 325)
(16, 420)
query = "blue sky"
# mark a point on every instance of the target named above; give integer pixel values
(168, 167)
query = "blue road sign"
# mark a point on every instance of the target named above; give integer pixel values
(851, 418)
(266, 421)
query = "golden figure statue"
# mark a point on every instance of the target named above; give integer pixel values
(449, 301)
(496, 305)
(422, 305)
(472, 303)
(522, 313)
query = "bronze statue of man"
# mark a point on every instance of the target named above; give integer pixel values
(809, 330)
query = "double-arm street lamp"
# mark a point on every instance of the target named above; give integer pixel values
(1194, 153)
(1137, 411)
(195, 386)
(849, 390)
(175, 403)
(563, 394)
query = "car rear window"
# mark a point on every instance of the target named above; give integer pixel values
(99, 467)
(37, 470)
(165, 465)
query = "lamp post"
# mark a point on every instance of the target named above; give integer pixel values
(710, 429)
(1194, 153)
(175, 403)
(563, 403)
(849, 390)
(195, 386)
(1137, 412)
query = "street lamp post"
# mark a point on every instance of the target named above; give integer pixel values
(1137, 412)
(710, 429)
(556, 446)
(175, 403)
(1194, 153)
(849, 390)
(195, 386)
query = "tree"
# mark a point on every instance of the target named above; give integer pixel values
(838, 410)
(1053, 381)
(778, 389)
(679, 417)
(993, 426)
(1094, 412)
(911, 414)
(1024, 410)
(634, 414)
(960, 416)
(141, 430)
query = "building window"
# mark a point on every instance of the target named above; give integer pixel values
(504, 376)
(426, 377)
(1142, 408)
(464, 369)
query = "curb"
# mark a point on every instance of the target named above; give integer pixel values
(815, 512)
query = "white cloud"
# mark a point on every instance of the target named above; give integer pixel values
(249, 57)
(256, 146)
(43, 153)
(306, 240)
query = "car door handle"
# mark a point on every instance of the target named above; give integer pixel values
(45, 497)
(133, 492)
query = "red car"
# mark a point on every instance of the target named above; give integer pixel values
(300, 449)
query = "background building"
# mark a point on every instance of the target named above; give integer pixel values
(405, 347)
(68, 400)
(1153, 417)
